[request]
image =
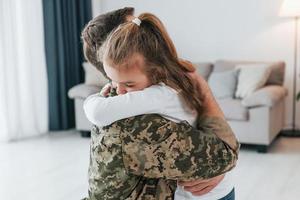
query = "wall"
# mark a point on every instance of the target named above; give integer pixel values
(206, 30)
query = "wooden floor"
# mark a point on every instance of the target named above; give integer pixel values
(54, 167)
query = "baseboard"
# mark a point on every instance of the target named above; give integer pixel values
(290, 133)
(85, 134)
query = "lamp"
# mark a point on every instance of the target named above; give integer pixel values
(291, 8)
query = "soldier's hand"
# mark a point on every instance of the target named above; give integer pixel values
(200, 187)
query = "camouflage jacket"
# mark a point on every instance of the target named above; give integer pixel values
(140, 158)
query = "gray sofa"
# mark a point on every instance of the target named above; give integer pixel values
(256, 119)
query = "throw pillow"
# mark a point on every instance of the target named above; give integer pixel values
(223, 84)
(93, 76)
(251, 78)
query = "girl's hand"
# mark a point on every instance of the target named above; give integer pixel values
(200, 187)
(105, 90)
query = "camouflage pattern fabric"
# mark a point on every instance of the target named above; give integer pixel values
(158, 148)
(141, 157)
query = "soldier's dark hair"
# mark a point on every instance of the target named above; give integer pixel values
(97, 30)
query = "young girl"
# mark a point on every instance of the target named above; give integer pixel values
(141, 60)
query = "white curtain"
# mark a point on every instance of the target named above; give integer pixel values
(23, 75)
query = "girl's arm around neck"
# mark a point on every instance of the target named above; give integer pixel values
(103, 111)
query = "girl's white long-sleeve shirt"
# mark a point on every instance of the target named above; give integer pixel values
(158, 99)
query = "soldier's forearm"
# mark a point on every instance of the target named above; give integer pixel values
(184, 153)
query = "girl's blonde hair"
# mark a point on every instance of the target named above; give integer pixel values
(151, 40)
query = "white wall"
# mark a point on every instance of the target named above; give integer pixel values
(206, 30)
(96, 7)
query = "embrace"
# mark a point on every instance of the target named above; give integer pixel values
(158, 132)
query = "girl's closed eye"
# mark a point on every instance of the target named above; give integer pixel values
(129, 85)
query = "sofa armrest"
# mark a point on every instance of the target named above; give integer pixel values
(266, 96)
(83, 90)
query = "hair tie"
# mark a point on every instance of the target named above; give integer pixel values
(137, 21)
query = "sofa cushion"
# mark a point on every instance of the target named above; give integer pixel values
(83, 90)
(277, 69)
(251, 78)
(233, 109)
(223, 84)
(266, 96)
(93, 76)
(204, 69)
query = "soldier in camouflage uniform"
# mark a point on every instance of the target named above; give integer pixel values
(142, 157)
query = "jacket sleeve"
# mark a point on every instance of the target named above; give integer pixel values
(155, 147)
